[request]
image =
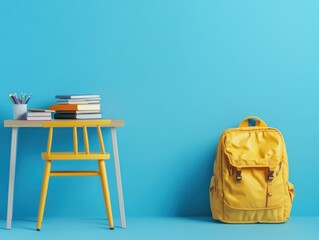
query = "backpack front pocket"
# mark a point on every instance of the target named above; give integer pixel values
(250, 188)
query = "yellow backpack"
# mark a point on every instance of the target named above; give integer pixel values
(250, 182)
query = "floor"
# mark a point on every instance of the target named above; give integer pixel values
(159, 228)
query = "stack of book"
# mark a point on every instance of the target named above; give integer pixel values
(39, 114)
(77, 106)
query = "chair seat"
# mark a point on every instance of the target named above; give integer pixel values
(73, 156)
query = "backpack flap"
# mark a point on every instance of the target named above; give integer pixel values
(254, 147)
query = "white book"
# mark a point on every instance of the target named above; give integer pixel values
(39, 118)
(39, 114)
(78, 102)
(88, 116)
(39, 110)
(78, 99)
(72, 96)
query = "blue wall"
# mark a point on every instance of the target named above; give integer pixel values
(179, 73)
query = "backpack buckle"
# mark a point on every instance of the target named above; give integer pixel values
(238, 174)
(270, 175)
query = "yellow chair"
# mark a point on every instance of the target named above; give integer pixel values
(49, 156)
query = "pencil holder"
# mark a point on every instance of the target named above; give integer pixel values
(20, 111)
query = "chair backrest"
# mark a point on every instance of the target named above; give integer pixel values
(75, 124)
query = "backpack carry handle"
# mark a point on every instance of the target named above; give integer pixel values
(259, 123)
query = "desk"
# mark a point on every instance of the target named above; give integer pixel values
(16, 124)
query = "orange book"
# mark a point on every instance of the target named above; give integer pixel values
(74, 107)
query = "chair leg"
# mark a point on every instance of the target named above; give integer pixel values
(106, 193)
(44, 191)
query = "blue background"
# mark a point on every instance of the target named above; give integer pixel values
(179, 73)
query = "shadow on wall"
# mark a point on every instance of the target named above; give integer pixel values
(194, 193)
